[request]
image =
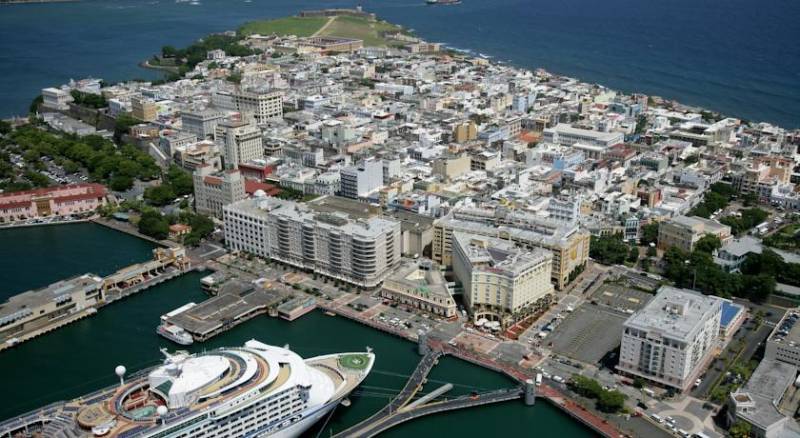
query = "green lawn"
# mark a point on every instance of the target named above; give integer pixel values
(298, 26)
(361, 28)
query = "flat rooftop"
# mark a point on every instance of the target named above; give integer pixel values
(500, 256)
(22, 305)
(338, 204)
(676, 313)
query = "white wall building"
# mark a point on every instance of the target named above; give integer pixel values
(239, 142)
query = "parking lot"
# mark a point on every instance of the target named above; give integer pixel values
(588, 333)
(620, 298)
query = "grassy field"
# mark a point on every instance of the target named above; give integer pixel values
(342, 26)
(298, 26)
(361, 28)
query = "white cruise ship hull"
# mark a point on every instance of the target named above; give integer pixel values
(303, 425)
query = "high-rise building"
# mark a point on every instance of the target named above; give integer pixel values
(264, 105)
(671, 340)
(568, 243)
(239, 142)
(362, 179)
(499, 278)
(362, 251)
(202, 123)
(213, 190)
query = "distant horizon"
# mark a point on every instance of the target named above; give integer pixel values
(752, 77)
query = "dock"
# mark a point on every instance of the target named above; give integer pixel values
(39, 311)
(236, 302)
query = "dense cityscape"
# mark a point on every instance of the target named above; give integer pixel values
(630, 260)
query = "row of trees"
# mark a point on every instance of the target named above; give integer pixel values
(717, 197)
(196, 53)
(610, 401)
(89, 100)
(152, 223)
(750, 217)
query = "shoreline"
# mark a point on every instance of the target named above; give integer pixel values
(22, 2)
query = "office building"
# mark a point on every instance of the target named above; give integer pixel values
(215, 189)
(670, 341)
(330, 240)
(239, 142)
(420, 284)
(565, 135)
(683, 232)
(264, 105)
(501, 280)
(202, 123)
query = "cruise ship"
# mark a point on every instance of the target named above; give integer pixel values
(254, 391)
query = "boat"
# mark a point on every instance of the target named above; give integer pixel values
(443, 2)
(175, 334)
(256, 390)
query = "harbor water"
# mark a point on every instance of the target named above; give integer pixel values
(739, 57)
(81, 357)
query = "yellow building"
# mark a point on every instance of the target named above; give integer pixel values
(464, 132)
(568, 243)
(144, 109)
(450, 167)
(683, 232)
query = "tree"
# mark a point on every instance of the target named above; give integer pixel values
(121, 183)
(609, 250)
(180, 180)
(633, 255)
(5, 127)
(652, 251)
(649, 233)
(611, 401)
(708, 244)
(154, 225)
(759, 287)
(159, 195)
(740, 429)
(638, 382)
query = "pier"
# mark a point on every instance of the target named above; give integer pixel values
(36, 312)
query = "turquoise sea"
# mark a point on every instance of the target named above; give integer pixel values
(740, 57)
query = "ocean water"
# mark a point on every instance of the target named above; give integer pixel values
(739, 57)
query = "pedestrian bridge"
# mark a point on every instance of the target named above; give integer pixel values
(403, 408)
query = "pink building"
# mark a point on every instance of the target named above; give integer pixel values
(51, 201)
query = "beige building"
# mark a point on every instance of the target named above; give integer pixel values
(239, 142)
(420, 284)
(144, 109)
(684, 232)
(450, 167)
(501, 281)
(213, 190)
(464, 132)
(568, 243)
(764, 173)
(264, 105)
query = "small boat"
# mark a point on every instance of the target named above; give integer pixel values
(175, 334)
(443, 2)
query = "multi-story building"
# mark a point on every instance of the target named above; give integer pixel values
(214, 190)
(499, 279)
(56, 98)
(362, 251)
(202, 123)
(464, 132)
(684, 232)
(51, 201)
(565, 135)
(762, 175)
(239, 142)
(144, 109)
(362, 179)
(671, 339)
(264, 105)
(449, 167)
(420, 284)
(568, 243)
(565, 208)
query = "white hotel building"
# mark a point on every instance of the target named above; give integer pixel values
(670, 340)
(362, 252)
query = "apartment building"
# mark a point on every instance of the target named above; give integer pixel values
(359, 250)
(762, 175)
(568, 243)
(239, 142)
(684, 232)
(264, 105)
(500, 279)
(670, 341)
(213, 190)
